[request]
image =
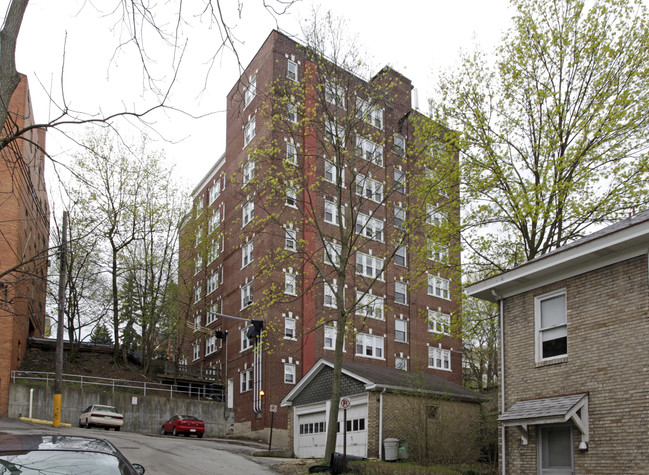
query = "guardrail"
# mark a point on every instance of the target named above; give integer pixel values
(199, 391)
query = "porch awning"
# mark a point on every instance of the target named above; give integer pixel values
(550, 410)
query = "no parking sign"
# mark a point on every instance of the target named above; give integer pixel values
(345, 403)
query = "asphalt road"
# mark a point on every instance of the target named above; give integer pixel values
(168, 454)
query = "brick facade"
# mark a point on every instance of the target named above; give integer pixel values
(24, 212)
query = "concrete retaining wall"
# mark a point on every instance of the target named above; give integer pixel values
(144, 414)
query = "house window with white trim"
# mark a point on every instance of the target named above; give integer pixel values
(249, 131)
(329, 338)
(215, 191)
(371, 228)
(329, 296)
(400, 145)
(401, 330)
(197, 322)
(369, 306)
(369, 346)
(198, 264)
(401, 293)
(196, 351)
(334, 94)
(399, 217)
(334, 133)
(331, 212)
(248, 172)
(291, 112)
(399, 181)
(437, 252)
(369, 188)
(369, 266)
(245, 341)
(439, 358)
(247, 212)
(250, 92)
(197, 293)
(199, 236)
(551, 325)
(212, 282)
(213, 309)
(199, 207)
(246, 380)
(289, 373)
(291, 72)
(290, 283)
(290, 241)
(332, 253)
(555, 449)
(247, 251)
(289, 328)
(291, 195)
(439, 322)
(210, 345)
(371, 115)
(370, 151)
(291, 153)
(439, 287)
(401, 256)
(331, 174)
(246, 295)
(434, 215)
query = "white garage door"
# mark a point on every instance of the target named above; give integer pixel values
(311, 435)
(356, 430)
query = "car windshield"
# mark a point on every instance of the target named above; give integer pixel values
(188, 418)
(60, 461)
(104, 409)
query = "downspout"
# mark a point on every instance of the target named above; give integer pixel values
(381, 424)
(502, 376)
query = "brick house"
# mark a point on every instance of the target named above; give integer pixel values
(223, 246)
(574, 328)
(433, 415)
(24, 213)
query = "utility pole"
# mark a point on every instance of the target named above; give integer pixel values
(58, 376)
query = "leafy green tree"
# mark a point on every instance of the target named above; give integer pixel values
(101, 335)
(553, 128)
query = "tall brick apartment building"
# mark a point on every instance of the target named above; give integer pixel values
(24, 237)
(243, 245)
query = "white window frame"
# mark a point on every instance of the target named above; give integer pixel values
(249, 131)
(399, 217)
(370, 346)
(292, 71)
(290, 332)
(399, 181)
(371, 228)
(331, 208)
(289, 373)
(290, 239)
(213, 308)
(197, 322)
(196, 351)
(212, 282)
(401, 256)
(331, 173)
(199, 207)
(250, 91)
(439, 322)
(371, 115)
(290, 283)
(215, 191)
(245, 341)
(401, 292)
(246, 295)
(247, 212)
(560, 328)
(332, 250)
(329, 296)
(334, 133)
(399, 145)
(433, 215)
(401, 327)
(335, 94)
(210, 345)
(369, 151)
(291, 195)
(291, 153)
(330, 337)
(245, 380)
(197, 293)
(199, 236)
(247, 253)
(247, 172)
(291, 112)
(439, 287)
(369, 266)
(439, 358)
(369, 188)
(198, 264)
(437, 253)
(370, 306)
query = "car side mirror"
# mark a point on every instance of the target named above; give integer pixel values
(138, 468)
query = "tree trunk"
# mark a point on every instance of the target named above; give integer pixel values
(9, 77)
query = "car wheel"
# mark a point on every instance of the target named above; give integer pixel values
(200, 436)
(175, 432)
(80, 424)
(118, 428)
(163, 431)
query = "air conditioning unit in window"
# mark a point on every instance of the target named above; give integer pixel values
(247, 302)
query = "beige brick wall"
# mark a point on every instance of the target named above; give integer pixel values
(608, 330)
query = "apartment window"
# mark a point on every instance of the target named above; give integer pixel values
(215, 221)
(248, 172)
(434, 215)
(401, 256)
(245, 341)
(401, 293)
(290, 283)
(196, 351)
(212, 282)
(439, 358)
(399, 181)
(334, 94)
(292, 71)
(555, 449)
(247, 253)
(369, 266)
(215, 250)
(197, 293)
(370, 346)
(197, 322)
(329, 296)
(249, 131)
(198, 264)
(289, 328)
(400, 145)
(332, 254)
(370, 151)
(251, 91)
(291, 153)
(210, 345)
(439, 322)
(551, 325)
(331, 212)
(371, 228)
(371, 115)
(212, 311)
(439, 287)
(215, 191)
(246, 295)
(247, 212)
(401, 330)
(334, 133)
(199, 237)
(331, 174)
(401, 363)
(290, 240)
(291, 112)
(289, 373)
(246, 380)
(399, 217)
(369, 188)
(437, 252)
(199, 207)
(329, 338)
(291, 196)
(369, 306)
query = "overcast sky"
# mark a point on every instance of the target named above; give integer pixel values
(415, 37)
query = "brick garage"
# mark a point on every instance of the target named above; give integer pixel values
(393, 404)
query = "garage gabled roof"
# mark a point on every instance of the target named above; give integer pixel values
(376, 378)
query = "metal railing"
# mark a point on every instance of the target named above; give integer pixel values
(199, 391)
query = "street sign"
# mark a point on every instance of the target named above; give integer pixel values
(273, 408)
(345, 403)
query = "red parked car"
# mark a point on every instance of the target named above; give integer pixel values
(186, 425)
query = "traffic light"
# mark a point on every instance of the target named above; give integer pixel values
(255, 329)
(221, 334)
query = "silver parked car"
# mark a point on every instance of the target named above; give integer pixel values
(101, 416)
